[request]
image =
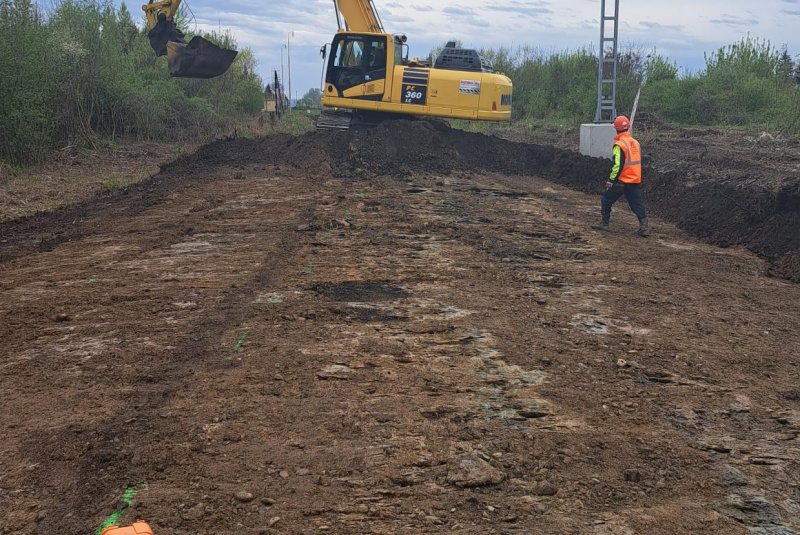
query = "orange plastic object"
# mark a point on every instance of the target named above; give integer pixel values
(137, 528)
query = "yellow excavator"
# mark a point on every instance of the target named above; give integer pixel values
(369, 72)
(199, 58)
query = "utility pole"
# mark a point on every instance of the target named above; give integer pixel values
(607, 69)
(289, 57)
(283, 75)
(598, 137)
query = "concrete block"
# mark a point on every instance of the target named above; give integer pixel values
(597, 140)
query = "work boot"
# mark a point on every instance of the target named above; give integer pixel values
(644, 230)
(603, 223)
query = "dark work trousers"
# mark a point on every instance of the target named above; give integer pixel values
(632, 192)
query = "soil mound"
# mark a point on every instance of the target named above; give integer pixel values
(395, 148)
(715, 205)
(726, 198)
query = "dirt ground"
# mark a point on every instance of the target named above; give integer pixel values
(405, 330)
(74, 175)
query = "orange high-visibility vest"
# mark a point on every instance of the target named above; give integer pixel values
(632, 170)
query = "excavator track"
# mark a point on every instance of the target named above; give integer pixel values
(345, 120)
(334, 120)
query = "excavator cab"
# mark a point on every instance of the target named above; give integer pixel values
(199, 58)
(358, 65)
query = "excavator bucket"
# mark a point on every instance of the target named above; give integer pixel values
(162, 33)
(199, 58)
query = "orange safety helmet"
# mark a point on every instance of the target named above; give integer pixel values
(622, 123)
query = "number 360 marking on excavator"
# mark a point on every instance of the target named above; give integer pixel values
(414, 95)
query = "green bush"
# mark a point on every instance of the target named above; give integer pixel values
(559, 86)
(85, 71)
(749, 84)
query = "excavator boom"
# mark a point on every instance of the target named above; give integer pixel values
(359, 16)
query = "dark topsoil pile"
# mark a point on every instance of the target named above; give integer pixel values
(717, 204)
(733, 197)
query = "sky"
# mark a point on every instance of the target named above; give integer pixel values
(681, 30)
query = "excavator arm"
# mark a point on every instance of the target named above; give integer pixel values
(168, 7)
(199, 58)
(359, 16)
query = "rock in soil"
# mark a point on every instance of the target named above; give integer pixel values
(634, 475)
(243, 496)
(544, 488)
(470, 471)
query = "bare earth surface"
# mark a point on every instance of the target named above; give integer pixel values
(76, 176)
(276, 338)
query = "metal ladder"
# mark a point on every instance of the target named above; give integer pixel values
(607, 69)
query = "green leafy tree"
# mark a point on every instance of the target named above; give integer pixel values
(312, 99)
(657, 68)
(785, 67)
(86, 72)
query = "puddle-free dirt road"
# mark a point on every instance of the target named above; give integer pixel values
(261, 348)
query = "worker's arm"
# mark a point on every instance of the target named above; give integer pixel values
(619, 162)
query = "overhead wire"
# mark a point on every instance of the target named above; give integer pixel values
(193, 19)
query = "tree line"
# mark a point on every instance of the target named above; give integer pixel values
(84, 72)
(749, 84)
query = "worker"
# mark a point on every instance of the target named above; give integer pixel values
(626, 178)
(378, 59)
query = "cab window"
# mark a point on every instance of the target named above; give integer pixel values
(376, 60)
(357, 59)
(349, 53)
(377, 55)
(398, 54)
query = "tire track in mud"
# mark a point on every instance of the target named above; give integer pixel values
(408, 382)
(451, 351)
(45, 231)
(399, 382)
(393, 393)
(87, 465)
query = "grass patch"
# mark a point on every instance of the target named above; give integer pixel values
(9, 172)
(127, 501)
(295, 123)
(238, 345)
(274, 300)
(118, 181)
